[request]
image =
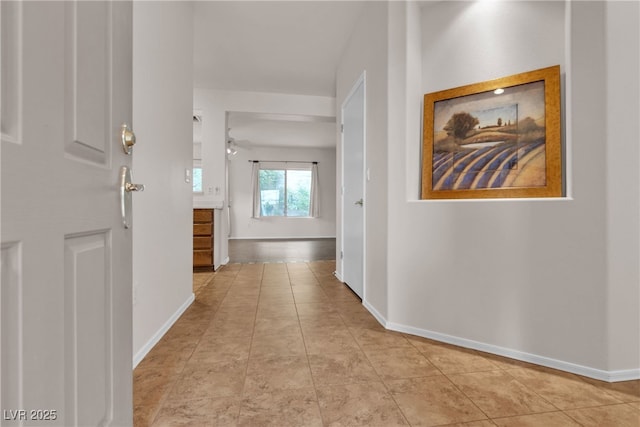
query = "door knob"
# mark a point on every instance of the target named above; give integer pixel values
(359, 202)
(128, 138)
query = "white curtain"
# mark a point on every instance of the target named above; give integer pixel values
(314, 207)
(255, 181)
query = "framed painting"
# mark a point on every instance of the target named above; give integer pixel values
(496, 139)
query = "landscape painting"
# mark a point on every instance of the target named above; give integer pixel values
(500, 142)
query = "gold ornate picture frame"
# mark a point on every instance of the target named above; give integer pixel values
(496, 139)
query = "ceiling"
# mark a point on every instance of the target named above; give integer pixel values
(290, 47)
(275, 130)
(271, 46)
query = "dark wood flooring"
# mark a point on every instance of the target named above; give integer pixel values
(281, 250)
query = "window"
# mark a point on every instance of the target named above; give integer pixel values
(197, 179)
(285, 192)
(196, 174)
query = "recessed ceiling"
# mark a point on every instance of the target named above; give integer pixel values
(272, 130)
(271, 46)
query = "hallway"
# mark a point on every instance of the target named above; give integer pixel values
(289, 345)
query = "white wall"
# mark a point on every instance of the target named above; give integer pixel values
(162, 121)
(537, 279)
(240, 194)
(367, 50)
(214, 105)
(623, 208)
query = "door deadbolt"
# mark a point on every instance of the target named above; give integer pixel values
(128, 138)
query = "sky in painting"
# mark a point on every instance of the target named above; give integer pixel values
(527, 98)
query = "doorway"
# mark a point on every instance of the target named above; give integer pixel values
(353, 184)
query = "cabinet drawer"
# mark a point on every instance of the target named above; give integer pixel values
(202, 243)
(202, 215)
(202, 229)
(202, 258)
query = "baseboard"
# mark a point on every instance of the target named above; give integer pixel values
(623, 375)
(338, 276)
(224, 262)
(137, 358)
(375, 313)
(598, 374)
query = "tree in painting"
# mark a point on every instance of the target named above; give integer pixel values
(460, 124)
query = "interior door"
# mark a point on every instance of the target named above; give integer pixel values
(65, 301)
(353, 140)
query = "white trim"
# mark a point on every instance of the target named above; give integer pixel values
(375, 313)
(137, 358)
(609, 376)
(338, 276)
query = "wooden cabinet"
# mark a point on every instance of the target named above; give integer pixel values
(203, 240)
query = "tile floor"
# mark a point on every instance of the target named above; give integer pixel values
(289, 345)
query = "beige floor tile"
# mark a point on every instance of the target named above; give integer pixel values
(230, 329)
(397, 363)
(498, 394)
(272, 311)
(549, 419)
(341, 293)
(505, 362)
(362, 321)
(199, 411)
(310, 296)
(480, 423)
(277, 345)
(150, 389)
(365, 404)
(283, 408)
(249, 290)
(167, 358)
(316, 309)
(612, 415)
(564, 390)
(221, 349)
(211, 380)
(275, 269)
(433, 401)
(277, 373)
(453, 360)
(278, 283)
(266, 299)
(350, 307)
(289, 345)
(269, 291)
(277, 326)
(370, 339)
(341, 368)
(331, 340)
(238, 304)
(322, 324)
(625, 391)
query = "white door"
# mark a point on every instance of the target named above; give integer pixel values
(65, 301)
(353, 142)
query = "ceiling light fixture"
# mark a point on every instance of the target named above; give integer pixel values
(231, 150)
